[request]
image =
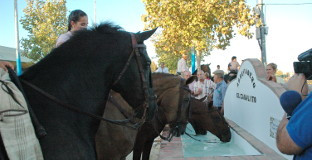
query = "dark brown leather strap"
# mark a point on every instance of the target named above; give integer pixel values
(72, 108)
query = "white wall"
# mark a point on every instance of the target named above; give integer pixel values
(253, 103)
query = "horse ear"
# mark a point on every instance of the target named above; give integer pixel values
(190, 80)
(144, 35)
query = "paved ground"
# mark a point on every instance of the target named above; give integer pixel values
(155, 150)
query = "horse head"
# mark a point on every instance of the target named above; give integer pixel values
(81, 72)
(209, 118)
(205, 68)
(173, 95)
(136, 69)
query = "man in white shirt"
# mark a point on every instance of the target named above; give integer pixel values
(203, 87)
(162, 68)
(182, 65)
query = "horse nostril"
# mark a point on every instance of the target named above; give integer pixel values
(226, 138)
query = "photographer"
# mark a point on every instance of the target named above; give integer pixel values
(294, 136)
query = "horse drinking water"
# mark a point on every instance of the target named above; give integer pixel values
(81, 73)
(173, 98)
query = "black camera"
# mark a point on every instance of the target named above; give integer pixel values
(305, 64)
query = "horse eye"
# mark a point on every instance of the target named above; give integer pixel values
(216, 117)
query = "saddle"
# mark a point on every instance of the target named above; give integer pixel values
(16, 128)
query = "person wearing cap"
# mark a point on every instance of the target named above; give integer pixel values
(219, 92)
(182, 65)
(233, 65)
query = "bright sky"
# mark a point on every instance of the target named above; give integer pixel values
(289, 28)
(289, 34)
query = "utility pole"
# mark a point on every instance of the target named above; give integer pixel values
(193, 60)
(261, 31)
(18, 56)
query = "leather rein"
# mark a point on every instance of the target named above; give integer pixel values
(175, 125)
(123, 122)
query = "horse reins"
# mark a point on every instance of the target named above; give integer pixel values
(73, 108)
(203, 141)
(135, 52)
(176, 124)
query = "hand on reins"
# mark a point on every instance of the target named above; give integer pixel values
(5, 64)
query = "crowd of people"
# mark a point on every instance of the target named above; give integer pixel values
(294, 136)
(212, 91)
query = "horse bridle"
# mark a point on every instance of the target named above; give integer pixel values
(135, 52)
(176, 125)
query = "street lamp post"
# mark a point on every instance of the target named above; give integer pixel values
(18, 56)
(262, 32)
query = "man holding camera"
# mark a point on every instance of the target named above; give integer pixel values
(294, 135)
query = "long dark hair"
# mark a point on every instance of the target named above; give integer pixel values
(75, 16)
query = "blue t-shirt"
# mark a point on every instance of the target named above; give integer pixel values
(219, 93)
(299, 128)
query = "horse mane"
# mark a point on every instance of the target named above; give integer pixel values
(165, 76)
(164, 81)
(83, 43)
(106, 27)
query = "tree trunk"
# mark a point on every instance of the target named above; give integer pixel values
(198, 59)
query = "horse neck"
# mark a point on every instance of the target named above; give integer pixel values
(203, 115)
(167, 87)
(75, 88)
(163, 82)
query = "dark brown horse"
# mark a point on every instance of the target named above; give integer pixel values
(114, 142)
(80, 73)
(169, 95)
(210, 118)
(205, 68)
(205, 118)
(173, 99)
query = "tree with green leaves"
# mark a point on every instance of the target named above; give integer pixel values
(202, 24)
(44, 20)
